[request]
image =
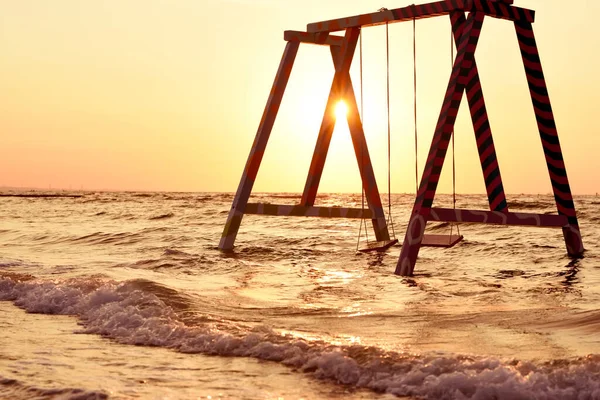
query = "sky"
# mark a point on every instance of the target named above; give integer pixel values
(167, 95)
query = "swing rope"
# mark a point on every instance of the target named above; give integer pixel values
(416, 131)
(390, 221)
(453, 145)
(362, 113)
(415, 105)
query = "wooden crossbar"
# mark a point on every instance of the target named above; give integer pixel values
(437, 214)
(498, 218)
(303, 211)
(497, 9)
(322, 38)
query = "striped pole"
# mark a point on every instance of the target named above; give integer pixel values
(549, 136)
(439, 145)
(481, 125)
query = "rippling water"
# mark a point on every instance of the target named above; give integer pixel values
(125, 295)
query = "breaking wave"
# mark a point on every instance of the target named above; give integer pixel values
(145, 313)
(15, 390)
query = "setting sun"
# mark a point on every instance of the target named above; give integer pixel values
(341, 110)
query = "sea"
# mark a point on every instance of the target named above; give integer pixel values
(125, 295)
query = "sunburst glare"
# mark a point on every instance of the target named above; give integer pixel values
(341, 110)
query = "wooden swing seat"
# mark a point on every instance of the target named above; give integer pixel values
(441, 241)
(445, 241)
(378, 246)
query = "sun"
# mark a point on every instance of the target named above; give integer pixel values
(341, 110)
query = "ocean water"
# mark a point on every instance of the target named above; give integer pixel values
(126, 296)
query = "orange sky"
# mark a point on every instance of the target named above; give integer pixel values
(167, 95)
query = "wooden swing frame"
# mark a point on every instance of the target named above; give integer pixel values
(464, 78)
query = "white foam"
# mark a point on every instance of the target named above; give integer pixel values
(130, 314)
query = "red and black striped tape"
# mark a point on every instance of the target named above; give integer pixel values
(428, 10)
(500, 9)
(445, 126)
(545, 121)
(481, 125)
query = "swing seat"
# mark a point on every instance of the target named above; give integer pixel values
(445, 241)
(378, 246)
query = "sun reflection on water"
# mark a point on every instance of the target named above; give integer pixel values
(338, 277)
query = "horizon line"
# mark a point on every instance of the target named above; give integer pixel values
(35, 188)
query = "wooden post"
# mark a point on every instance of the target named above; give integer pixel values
(439, 145)
(234, 219)
(549, 136)
(338, 87)
(341, 89)
(481, 125)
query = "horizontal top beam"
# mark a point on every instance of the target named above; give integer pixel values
(497, 9)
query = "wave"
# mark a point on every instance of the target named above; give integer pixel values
(588, 321)
(13, 389)
(146, 194)
(9, 264)
(162, 216)
(101, 238)
(284, 196)
(96, 238)
(144, 313)
(280, 250)
(174, 252)
(176, 260)
(530, 204)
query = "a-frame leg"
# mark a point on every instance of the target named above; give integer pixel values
(481, 125)
(361, 151)
(234, 219)
(340, 80)
(439, 145)
(549, 136)
(342, 89)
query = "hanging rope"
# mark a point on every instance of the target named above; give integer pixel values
(362, 189)
(415, 105)
(453, 152)
(389, 134)
(390, 221)
(453, 145)
(415, 119)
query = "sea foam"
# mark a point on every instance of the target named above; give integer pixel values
(130, 313)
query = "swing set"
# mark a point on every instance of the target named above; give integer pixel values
(464, 78)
